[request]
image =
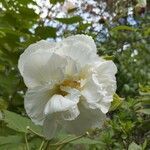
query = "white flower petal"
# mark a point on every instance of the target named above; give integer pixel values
(42, 68)
(71, 113)
(80, 48)
(103, 106)
(40, 46)
(91, 90)
(107, 67)
(98, 92)
(88, 118)
(58, 103)
(66, 106)
(82, 40)
(73, 94)
(108, 84)
(35, 102)
(106, 77)
(79, 54)
(49, 127)
(72, 67)
(99, 89)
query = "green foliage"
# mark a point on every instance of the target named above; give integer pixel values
(127, 126)
(56, 1)
(70, 20)
(117, 101)
(134, 146)
(130, 48)
(45, 32)
(12, 139)
(123, 28)
(19, 123)
(86, 141)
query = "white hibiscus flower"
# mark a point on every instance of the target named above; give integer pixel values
(69, 85)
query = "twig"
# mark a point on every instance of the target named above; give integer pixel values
(73, 139)
(26, 140)
(42, 144)
(29, 129)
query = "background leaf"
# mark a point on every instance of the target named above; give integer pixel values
(45, 32)
(19, 123)
(134, 146)
(70, 20)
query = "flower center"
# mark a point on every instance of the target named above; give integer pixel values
(71, 83)
(67, 83)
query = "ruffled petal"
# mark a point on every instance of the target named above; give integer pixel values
(107, 68)
(40, 46)
(73, 94)
(66, 106)
(88, 118)
(42, 68)
(106, 77)
(103, 106)
(72, 67)
(71, 113)
(35, 101)
(81, 39)
(58, 103)
(100, 87)
(92, 90)
(80, 48)
(50, 127)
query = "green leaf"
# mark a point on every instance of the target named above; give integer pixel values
(2, 34)
(11, 139)
(86, 141)
(72, 10)
(118, 28)
(55, 1)
(144, 111)
(17, 142)
(1, 115)
(26, 12)
(18, 146)
(83, 27)
(45, 32)
(19, 123)
(144, 145)
(117, 101)
(71, 20)
(107, 57)
(134, 146)
(8, 82)
(144, 90)
(147, 32)
(3, 104)
(25, 2)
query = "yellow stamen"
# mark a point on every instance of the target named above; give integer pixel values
(71, 83)
(66, 83)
